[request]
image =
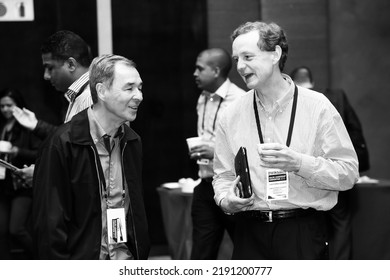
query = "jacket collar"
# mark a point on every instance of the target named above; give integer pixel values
(80, 130)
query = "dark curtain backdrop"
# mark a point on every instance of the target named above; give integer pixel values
(164, 39)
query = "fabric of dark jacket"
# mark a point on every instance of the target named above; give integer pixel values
(44, 129)
(67, 215)
(340, 102)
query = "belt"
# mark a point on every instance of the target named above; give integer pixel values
(270, 216)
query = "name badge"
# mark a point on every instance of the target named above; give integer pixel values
(277, 185)
(116, 226)
(203, 161)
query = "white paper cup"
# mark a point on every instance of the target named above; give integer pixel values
(5, 146)
(193, 141)
(187, 185)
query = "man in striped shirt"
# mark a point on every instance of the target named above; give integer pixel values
(66, 58)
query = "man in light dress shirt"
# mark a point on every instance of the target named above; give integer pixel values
(300, 156)
(209, 222)
(65, 58)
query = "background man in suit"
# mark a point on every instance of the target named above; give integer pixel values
(340, 242)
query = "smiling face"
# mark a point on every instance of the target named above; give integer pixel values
(123, 98)
(254, 65)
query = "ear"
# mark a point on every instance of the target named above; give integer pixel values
(276, 54)
(217, 71)
(101, 91)
(72, 63)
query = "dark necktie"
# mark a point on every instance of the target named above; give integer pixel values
(107, 144)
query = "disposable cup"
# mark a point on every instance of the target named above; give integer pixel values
(193, 141)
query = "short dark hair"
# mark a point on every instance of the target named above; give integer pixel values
(65, 44)
(270, 36)
(295, 71)
(219, 57)
(102, 70)
(14, 94)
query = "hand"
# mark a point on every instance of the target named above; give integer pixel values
(202, 151)
(14, 151)
(232, 203)
(26, 173)
(25, 117)
(275, 155)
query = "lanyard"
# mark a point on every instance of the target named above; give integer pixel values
(103, 179)
(292, 118)
(216, 113)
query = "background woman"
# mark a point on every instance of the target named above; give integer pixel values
(15, 195)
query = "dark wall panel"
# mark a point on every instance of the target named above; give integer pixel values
(360, 64)
(306, 26)
(223, 17)
(163, 38)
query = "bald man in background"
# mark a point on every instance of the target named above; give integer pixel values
(340, 216)
(209, 222)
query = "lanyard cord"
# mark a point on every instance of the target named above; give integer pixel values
(103, 178)
(292, 118)
(216, 113)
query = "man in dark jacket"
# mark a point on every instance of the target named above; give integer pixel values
(302, 76)
(340, 239)
(88, 201)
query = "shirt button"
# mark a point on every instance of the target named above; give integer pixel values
(270, 118)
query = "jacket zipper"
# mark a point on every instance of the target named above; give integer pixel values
(97, 169)
(130, 206)
(100, 188)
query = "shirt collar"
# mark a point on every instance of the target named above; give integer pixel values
(221, 91)
(284, 100)
(74, 88)
(96, 130)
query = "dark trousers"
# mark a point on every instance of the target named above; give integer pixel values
(299, 238)
(340, 229)
(209, 223)
(14, 216)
